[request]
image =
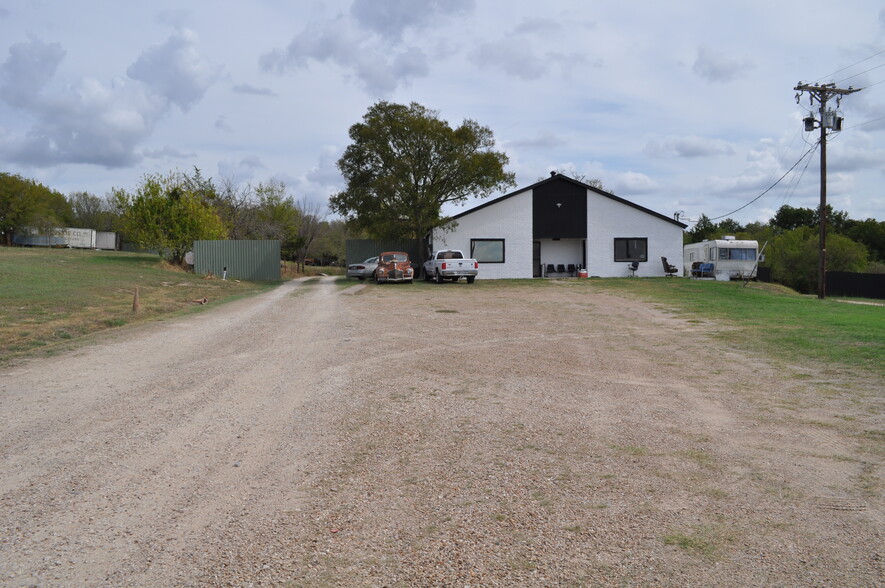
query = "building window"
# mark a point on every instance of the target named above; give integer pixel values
(487, 250)
(633, 249)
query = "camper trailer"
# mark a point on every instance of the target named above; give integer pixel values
(730, 258)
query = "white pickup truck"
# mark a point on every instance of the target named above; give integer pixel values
(450, 264)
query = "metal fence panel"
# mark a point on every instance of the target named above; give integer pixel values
(856, 285)
(241, 259)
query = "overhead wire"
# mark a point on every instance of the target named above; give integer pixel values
(852, 65)
(860, 74)
(865, 123)
(794, 185)
(767, 190)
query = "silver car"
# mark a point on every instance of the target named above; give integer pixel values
(363, 270)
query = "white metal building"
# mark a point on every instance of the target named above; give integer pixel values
(560, 221)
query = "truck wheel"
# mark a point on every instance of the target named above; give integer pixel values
(439, 278)
(470, 279)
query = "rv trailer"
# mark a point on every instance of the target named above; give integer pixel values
(732, 259)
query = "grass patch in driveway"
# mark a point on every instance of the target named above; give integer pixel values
(706, 541)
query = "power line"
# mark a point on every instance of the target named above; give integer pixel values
(853, 64)
(861, 73)
(865, 123)
(767, 190)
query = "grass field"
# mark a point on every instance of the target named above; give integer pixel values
(49, 297)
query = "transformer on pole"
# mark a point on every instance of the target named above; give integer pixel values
(829, 120)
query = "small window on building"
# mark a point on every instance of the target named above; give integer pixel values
(634, 249)
(487, 250)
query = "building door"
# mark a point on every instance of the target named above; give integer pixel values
(536, 259)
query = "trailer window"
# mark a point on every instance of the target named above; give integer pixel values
(742, 254)
(634, 249)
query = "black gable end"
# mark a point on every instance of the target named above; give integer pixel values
(559, 210)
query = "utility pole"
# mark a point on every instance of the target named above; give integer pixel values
(829, 119)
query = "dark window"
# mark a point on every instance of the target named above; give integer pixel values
(487, 250)
(633, 249)
(742, 254)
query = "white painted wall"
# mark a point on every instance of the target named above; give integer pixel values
(511, 220)
(608, 219)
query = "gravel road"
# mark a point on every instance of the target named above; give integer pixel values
(544, 434)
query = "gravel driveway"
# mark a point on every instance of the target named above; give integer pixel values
(542, 434)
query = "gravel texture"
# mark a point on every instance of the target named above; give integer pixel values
(538, 434)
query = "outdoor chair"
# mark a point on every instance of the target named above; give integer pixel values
(550, 269)
(633, 267)
(572, 269)
(560, 269)
(669, 270)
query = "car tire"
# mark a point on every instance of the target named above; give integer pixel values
(439, 278)
(470, 279)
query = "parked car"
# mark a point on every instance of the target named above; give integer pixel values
(394, 266)
(450, 264)
(363, 270)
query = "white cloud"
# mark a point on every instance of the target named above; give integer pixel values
(391, 18)
(27, 70)
(175, 69)
(88, 121)
(715, 66)
(630, 183)
(380, 67)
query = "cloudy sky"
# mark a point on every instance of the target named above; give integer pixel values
(678, 106)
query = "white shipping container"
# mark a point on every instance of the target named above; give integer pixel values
(78, 238)
(105, 240)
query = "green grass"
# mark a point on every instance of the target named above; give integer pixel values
(53, 296)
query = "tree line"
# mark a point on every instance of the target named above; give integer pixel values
(792, 235)
(168, 212)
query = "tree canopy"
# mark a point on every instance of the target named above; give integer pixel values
(26, 204)
(168, 213)
(404, 163)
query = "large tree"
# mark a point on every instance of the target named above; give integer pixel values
(168, 213)
(405, 162)
(26, 204)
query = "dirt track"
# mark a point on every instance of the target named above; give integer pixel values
(436, 435)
